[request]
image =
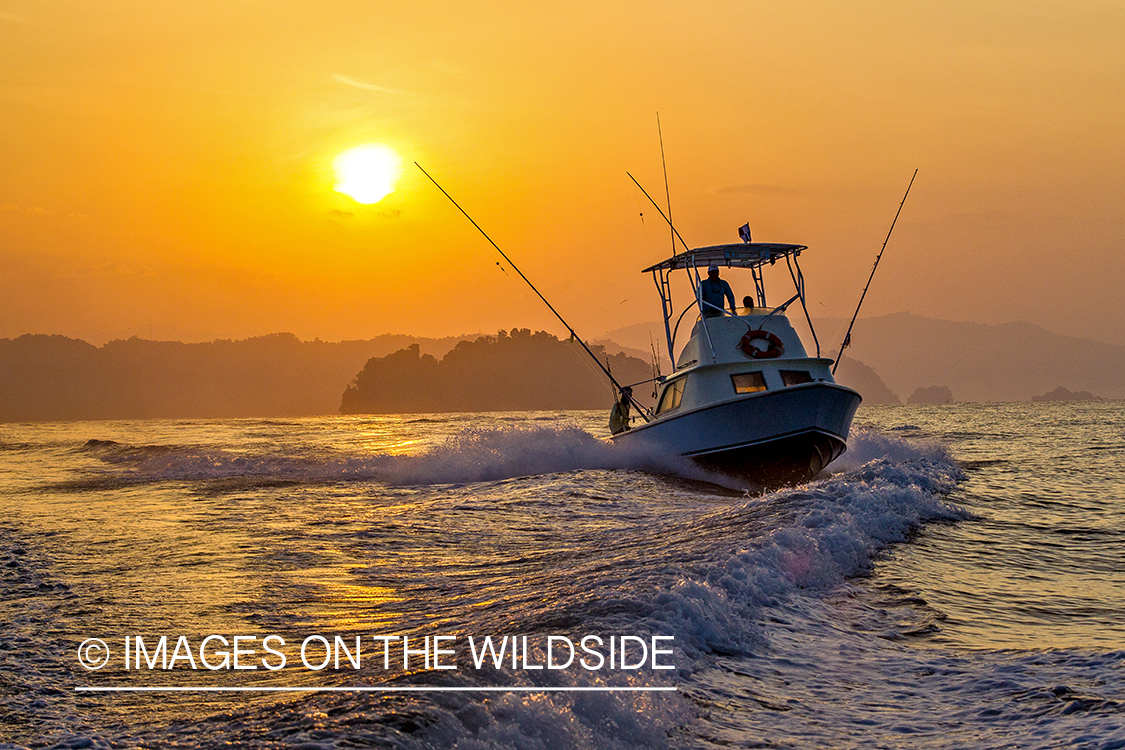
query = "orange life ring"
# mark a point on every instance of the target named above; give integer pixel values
(776, 348)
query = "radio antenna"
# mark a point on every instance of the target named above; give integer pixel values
(848, 335)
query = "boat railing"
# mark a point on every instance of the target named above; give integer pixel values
(742, 313)
(748, 255)
(781, 308)
(739, 316)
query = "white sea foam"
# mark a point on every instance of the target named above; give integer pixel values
(816, 536)
(489, 454)
(763, 568)
(866, 445)
(475, 455)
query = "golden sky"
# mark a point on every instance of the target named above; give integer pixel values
(168, 165)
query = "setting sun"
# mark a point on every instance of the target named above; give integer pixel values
(367, 173)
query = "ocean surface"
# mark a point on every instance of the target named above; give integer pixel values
(956, 581)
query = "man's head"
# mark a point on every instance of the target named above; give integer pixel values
(713, 272)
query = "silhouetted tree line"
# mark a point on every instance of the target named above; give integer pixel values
(511, 371)
(45, 378)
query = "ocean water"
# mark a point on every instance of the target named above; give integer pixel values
(956, 581)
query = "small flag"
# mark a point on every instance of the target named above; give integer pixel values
(744, 232)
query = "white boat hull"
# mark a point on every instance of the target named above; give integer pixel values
(771, 438)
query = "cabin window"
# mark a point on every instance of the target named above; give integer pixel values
(672, 396)
(795, 377)
(748, 382)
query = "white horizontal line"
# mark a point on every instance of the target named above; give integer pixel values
(399, 689)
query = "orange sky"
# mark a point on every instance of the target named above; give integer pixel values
(167, 166)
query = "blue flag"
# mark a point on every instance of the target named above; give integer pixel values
(744, 232)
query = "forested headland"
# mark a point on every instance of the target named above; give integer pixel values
(511, 371)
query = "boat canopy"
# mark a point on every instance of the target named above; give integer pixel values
(736, 255)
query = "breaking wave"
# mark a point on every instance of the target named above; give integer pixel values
(474, 455)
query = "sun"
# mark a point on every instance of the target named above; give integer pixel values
(367, 173)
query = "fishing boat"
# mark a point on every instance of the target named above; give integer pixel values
(745, 398)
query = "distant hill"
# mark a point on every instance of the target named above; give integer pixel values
(977, 362)
(57, 378)
(1062, 394)
(614, 348)
(859, 377)
(640, 338)
(512, 371)
(45, 378)
(931, 394)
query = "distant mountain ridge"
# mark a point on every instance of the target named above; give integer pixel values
(978, 362)
(46, 378)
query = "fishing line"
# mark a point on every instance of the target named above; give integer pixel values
(575, 336)
(848, 336)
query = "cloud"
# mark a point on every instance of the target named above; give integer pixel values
(365, 86)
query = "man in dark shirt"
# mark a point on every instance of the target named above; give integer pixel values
(713, 291)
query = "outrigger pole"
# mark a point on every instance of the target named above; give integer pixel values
(620, 389)
(848, 335)
(661, 285)
(667, 192)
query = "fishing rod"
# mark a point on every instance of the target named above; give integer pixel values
(657, 206)
(620, 389)
(848, 335)
(667, 192)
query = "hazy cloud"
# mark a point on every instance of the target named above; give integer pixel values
(365, 86)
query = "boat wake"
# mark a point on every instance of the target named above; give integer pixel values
(563, 538)
(485, 454)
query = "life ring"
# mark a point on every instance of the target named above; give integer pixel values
(776, 348)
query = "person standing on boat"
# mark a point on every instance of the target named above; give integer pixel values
(619, 415)
(713, 291)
